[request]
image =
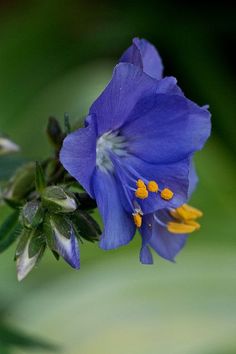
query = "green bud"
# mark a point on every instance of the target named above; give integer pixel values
(32, 214)
(61, 238)
(21, 183)
(40, 182)
(7, 146)
(58, 201)
(29, 251)
(54, 132)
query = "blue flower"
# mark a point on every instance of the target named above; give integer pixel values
(165, 230)
(133, 156)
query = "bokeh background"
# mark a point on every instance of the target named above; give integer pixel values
(57, 56)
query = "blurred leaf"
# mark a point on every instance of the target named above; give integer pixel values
(40, 182)
(9, 231)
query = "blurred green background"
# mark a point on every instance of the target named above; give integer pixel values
(57, 56)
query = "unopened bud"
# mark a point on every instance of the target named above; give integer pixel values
(58, 201)
(32, 214)
(7, 146)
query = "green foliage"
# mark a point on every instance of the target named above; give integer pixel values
(9, 230)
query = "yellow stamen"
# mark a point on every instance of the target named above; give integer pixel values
(167, 194)
(188, 212)
(152, 186)
(193, 223)
(179, 228)
(137, 219)
(140, 183)
(141, 193)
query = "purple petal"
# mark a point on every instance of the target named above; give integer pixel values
(145, 255)
(118, 224)
(166, 128)
(166, 244)
(174, 176)
(114, 105)
(78, 155)
(193, 179)
(169, 86)
(144, 54)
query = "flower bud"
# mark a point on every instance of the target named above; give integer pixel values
(58, 201)
(32, 214)
(7, 146)
(60, 235)
(21, 183)
(29, 251)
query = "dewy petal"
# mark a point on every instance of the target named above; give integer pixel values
(114, 105)
(166, 244)
(78, 154)
(118, 225)
(174, 176)
(144, 54)
(166, 128)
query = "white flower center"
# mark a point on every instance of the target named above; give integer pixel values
(108, 143)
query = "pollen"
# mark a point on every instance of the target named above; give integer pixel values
(179, 228)
(167, 194)
(152, 186)
(137, 219)
(141, 193)
(193, 223)
(140, 183)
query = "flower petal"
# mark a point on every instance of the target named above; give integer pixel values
(174, 176)
(193, 179)
(144, 54)
(166, 244)
(145, 255)
(118, 224)
(114, 105)
(78, 154)
(166, 128)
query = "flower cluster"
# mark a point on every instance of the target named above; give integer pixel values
(134, 155)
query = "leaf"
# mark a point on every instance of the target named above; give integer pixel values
(40, 182)
(86, 226)
(8, 231)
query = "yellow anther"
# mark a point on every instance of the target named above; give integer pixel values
(179, 228)
(188, 212)
(137, 219)
(167, 194)
(140, 184)
(141, 193)
(193, 223)
(152, 186)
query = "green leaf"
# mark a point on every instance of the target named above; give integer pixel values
(86, 226)
(40, 182)
(8, 231)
